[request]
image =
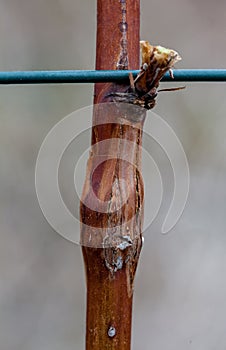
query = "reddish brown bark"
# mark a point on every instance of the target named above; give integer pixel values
(111, 204)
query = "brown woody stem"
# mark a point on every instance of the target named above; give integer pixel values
(112, 200)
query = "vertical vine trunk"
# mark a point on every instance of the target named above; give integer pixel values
(111, 205)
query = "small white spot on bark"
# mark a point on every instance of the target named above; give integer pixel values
(127, 242)
(111, 332)
(119, 263)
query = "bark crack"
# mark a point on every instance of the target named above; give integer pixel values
(123, 26)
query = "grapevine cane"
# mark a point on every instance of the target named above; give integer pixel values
(111, 209)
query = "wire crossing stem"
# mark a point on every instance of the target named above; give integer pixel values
(96, 76)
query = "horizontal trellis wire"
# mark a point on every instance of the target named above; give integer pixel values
(92, 76)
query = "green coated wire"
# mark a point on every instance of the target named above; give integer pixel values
(91, 76)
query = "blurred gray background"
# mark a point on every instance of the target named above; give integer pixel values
(180, 289)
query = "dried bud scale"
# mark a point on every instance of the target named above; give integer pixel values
(156, 61)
